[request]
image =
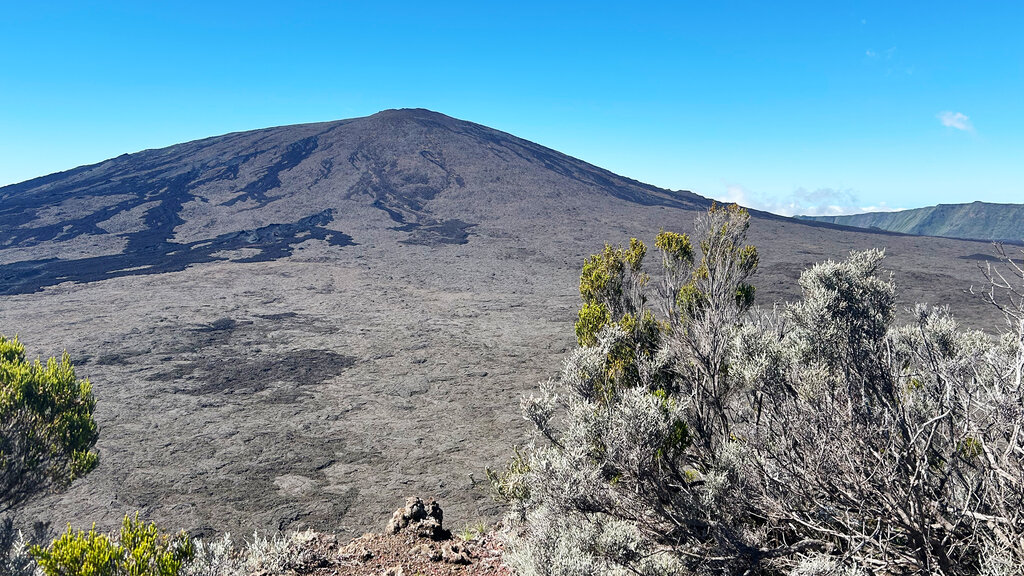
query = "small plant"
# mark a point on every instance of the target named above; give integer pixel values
(14, 557)
(473, 531)
(139, 550)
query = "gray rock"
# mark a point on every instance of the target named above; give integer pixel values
(423, 519)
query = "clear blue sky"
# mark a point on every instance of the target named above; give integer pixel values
(794, 109)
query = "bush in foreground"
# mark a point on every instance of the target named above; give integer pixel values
(47, 438)
(139, 550)
(814, 439)
(894, 450)
(47, 431)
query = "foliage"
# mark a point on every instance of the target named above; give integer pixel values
(47, 431)
(1006, 292)
(278, 554)
(816, 438)
(640, 475)
(473, 531)
(139, 550)
(611, 286)
(892, 448)
(14, 557)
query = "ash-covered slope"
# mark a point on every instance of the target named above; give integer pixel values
(427, 177)
(301, 326)
(974, 221)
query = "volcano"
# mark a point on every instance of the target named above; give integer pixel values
(300, 326)
(426, 177)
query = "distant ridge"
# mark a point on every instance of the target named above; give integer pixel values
(974, 221)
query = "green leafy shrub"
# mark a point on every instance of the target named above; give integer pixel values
(612, 289)
(139, 550)
(47, 430)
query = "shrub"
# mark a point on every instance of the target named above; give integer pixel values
(139, 550)
(639, 473)
(895, 449)
(277, 554)
(47, 431)
(816, 438)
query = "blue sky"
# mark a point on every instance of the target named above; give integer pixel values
(813, 107)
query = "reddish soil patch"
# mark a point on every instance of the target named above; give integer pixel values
(414, 543)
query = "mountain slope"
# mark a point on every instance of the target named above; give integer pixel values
(268, 190)
(974, 221)
(300, 326)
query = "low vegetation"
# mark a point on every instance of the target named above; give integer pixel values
(47, 431)
(138, 550)
(47, 439)
(811, 439)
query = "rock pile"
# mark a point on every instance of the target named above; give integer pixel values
(422, 519)
(415, 541)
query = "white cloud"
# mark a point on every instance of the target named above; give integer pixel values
(817, 202)
(881, 208)
(887, 54)
(737, 194)
(956, 120)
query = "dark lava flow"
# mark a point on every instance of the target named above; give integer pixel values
(149, 250)
(273, 241)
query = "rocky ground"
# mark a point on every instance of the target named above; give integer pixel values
(414, 542)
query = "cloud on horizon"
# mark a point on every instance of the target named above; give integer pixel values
(803, 202)
(956, 120)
